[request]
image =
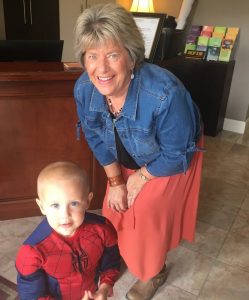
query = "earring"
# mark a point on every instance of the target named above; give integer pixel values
(132, 75)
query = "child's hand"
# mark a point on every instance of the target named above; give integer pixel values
(100, 294)
(87, 296)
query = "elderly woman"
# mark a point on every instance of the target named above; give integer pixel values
(144, 129)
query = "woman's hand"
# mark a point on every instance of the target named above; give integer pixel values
(134, 185)
(117, 198)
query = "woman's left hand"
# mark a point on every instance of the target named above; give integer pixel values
(134, 185)
(117, 198)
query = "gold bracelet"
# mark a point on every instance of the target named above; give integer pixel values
(142, 176)
(116, 180)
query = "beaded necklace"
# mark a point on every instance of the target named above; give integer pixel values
(115, 113)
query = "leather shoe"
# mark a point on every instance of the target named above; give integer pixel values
(145, 290)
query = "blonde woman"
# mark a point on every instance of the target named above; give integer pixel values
(145, 130)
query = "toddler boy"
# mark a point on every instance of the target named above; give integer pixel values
(72, 254)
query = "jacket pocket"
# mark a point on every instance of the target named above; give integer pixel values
(144, 143)
(94, 123)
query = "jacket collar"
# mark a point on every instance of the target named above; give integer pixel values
(98, 102)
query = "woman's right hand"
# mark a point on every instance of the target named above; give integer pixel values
(117, 198)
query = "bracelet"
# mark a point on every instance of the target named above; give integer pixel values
(142, 176)
(116, 180)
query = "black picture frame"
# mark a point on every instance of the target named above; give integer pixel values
(151, 25)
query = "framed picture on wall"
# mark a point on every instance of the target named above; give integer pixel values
(151, 25)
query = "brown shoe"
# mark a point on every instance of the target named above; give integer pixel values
(145, 290)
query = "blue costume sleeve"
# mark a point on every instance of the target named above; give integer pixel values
(110, 262)
(33, 287)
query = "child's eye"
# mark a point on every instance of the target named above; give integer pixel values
(75, 203)
(54, 205)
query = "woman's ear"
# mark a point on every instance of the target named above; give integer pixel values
(39, 203)
(132, 65)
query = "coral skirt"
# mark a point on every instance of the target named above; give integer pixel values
(162, 215)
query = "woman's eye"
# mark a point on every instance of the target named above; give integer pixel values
(92, 57)
(113, 56)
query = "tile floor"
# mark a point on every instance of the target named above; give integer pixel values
(216, 266)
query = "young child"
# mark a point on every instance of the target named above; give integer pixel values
(72, 254)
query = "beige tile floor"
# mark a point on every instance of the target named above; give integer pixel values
(216, 266)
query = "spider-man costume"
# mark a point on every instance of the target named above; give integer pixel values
(53, 267)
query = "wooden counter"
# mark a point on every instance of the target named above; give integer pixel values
(38, 126)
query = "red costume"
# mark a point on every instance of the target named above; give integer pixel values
(51, 266)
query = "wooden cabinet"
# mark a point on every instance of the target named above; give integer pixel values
(38, 126)
(209, 85)
(31, 19)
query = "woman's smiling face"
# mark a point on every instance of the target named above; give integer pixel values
(109, 67)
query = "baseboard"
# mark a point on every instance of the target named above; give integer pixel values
(234, 125)
(8, 289)
(15, 209)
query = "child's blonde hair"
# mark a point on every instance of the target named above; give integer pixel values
(62, 170)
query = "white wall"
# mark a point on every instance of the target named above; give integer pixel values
(234, 14)
(69, 11)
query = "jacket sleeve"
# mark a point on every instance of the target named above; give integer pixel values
(110, 262)
(178, 128)
(31, 279)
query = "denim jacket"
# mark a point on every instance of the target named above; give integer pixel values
(159, 124)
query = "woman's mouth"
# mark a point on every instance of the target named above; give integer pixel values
(104, 79)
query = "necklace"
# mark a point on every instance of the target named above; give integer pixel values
(115, 113)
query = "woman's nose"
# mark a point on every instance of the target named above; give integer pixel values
(103, 65)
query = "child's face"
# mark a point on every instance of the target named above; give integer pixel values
(64, 203)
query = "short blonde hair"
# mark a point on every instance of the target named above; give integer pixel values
(104, 22)
(62, 170)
